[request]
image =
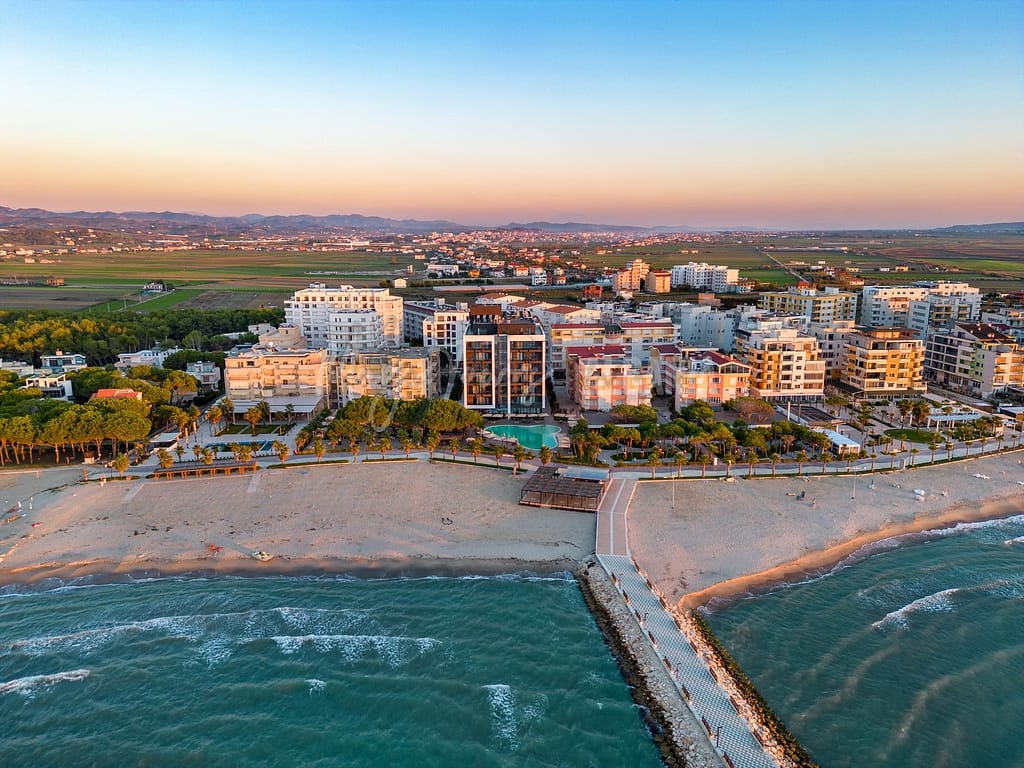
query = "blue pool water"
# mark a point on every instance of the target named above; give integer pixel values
(529, 437)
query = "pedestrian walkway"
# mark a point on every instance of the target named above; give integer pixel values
(727, 731)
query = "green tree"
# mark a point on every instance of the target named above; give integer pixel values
(476, 447)
(164, 458)
(498, 450)
(254, 415)
(281, 449)
(801, 459)
(384, 445)
(454, 445)
(654, 461)
(121, 463)
(319, 448)
(545, 455)
(519, 454)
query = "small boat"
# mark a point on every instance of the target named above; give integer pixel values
(262, 556)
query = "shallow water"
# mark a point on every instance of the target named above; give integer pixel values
(504, 671)
(910, 658)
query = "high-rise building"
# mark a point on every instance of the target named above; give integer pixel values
(397, 374)
(974, 359)
(687, 375)
(785, 364)
(602, 377)
(504, 366)
(823, 306)
(310, 310)
(888, 306)
(437, 324)
(717, 278)
(883, 363)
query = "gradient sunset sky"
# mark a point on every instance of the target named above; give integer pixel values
(774, 114)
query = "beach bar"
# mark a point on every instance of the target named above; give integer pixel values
(198, 468)
(549, 487)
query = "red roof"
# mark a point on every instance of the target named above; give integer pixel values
(577, 325)
(104, 394)
(596, 349)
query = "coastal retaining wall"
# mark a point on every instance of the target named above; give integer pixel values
(677, 734)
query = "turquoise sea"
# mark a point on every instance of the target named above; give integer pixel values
(908, 655)
(285, 671)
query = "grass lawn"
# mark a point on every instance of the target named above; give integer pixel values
(246, 429)
(913, 435)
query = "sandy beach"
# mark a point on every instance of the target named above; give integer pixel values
(396, 518)
(724, 539)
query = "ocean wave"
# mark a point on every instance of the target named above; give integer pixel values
(216, 633)
(395, 650)
(504, 727)
(1017, 540)
(937, 602)
(28, 686)
(316, 686)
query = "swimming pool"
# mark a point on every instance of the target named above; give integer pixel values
(529, 437)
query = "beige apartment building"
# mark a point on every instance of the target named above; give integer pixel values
(823, 306)
(883, 363)
(658, 281)
(282, 377)
(602, 377)
(637, 337)
(687, 374)
(404, 374)
(784, 363)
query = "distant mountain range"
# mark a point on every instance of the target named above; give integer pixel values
(171, 222)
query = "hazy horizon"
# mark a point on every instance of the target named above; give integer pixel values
(789, 115)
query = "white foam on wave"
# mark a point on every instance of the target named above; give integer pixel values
(1017, 540)
(217, 633)
(29, 686)
(316, 686)
(394, 650)
(504, 727)
(937, 602)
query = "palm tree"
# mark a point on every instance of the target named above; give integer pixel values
(263, 407)
(121, 463)
(476, 447)
(197, 451)
(236, 450)
(227, 408)
(680, 459)
(319, 448)
(180, 450)
(913, 456)
(752, 459)
(353, 446)
(545, 455)
(281, 449)
(826, 457)
(921, 410)
(519, 453)
(774, 458)
(654, 460)
(454, 445)
(208, 456)
(254, 416)
(933, 444)
(801, 459)
(214, 414)
(498, 451)
(289, 411)
(433, 442)
(163, 456)
(407, 445)
(904, 407)
(384, 446)
(245, 453)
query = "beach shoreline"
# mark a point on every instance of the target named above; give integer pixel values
(729, 540)
(111, 572)
(816, 564)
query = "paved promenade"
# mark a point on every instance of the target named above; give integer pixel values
(711, 705)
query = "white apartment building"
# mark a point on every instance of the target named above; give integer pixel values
(153, 357)
(974, 359)
(63, 361)
(437, 324)
(888, 306)
(937, 310)
(207, 373)
(702, 276)
(310, 309)
(832, 338)
(1010, 320)
(354, 330)
(53, 385)
(636, 337)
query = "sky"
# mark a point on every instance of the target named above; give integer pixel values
(817, 114)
